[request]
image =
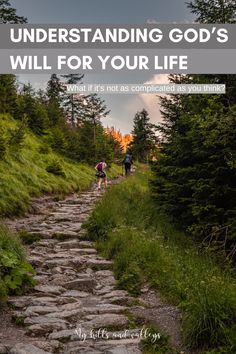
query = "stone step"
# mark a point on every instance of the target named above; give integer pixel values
(45, 320)
(22, 348)
(82, 284)
(99, 264)
(49, 289)
(73, 243)
(75, 294)
(84, 250)
(106, 321)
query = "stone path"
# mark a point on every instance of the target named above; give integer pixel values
(75, 306)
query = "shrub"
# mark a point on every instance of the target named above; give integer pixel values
(17, 135)
(57, 140)
(55, 168)
(44, 149)
(15, 272)
(131, 279)
(2, 147)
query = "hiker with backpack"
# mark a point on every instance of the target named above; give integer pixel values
(128, 160)
(101, 174)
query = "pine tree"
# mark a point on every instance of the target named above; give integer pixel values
(8, 14)
(72, 102)
(54, 89)
(36, 112)
(144, 138)
(194, 177)
(213, 11)
(55, 92)
(92, 111)
(8, 94)
(104, 147)
(42, 97)
(116, 141)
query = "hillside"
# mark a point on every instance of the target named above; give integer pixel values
(31, 168)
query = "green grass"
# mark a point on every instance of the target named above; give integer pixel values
(36, 170)
(27, 238)
(145, 246)
(15, 272)
(156, 342)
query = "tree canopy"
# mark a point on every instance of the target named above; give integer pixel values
(144, 139)
(8, 14)
(194, 177)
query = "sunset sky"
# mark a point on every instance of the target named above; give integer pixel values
(123, 107)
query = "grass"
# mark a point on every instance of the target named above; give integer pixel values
(156, 342)
(15, 272)
(27, 238)
(146, 246)
(36, 170)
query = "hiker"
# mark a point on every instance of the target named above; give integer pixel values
(128, 160)
(101, 174)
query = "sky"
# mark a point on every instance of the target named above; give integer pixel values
(123, 107)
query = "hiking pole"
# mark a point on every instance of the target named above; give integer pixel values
(122, 170)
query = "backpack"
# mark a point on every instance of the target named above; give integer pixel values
(127, 159)
(100, 167)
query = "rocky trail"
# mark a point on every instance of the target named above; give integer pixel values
(75, 306)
